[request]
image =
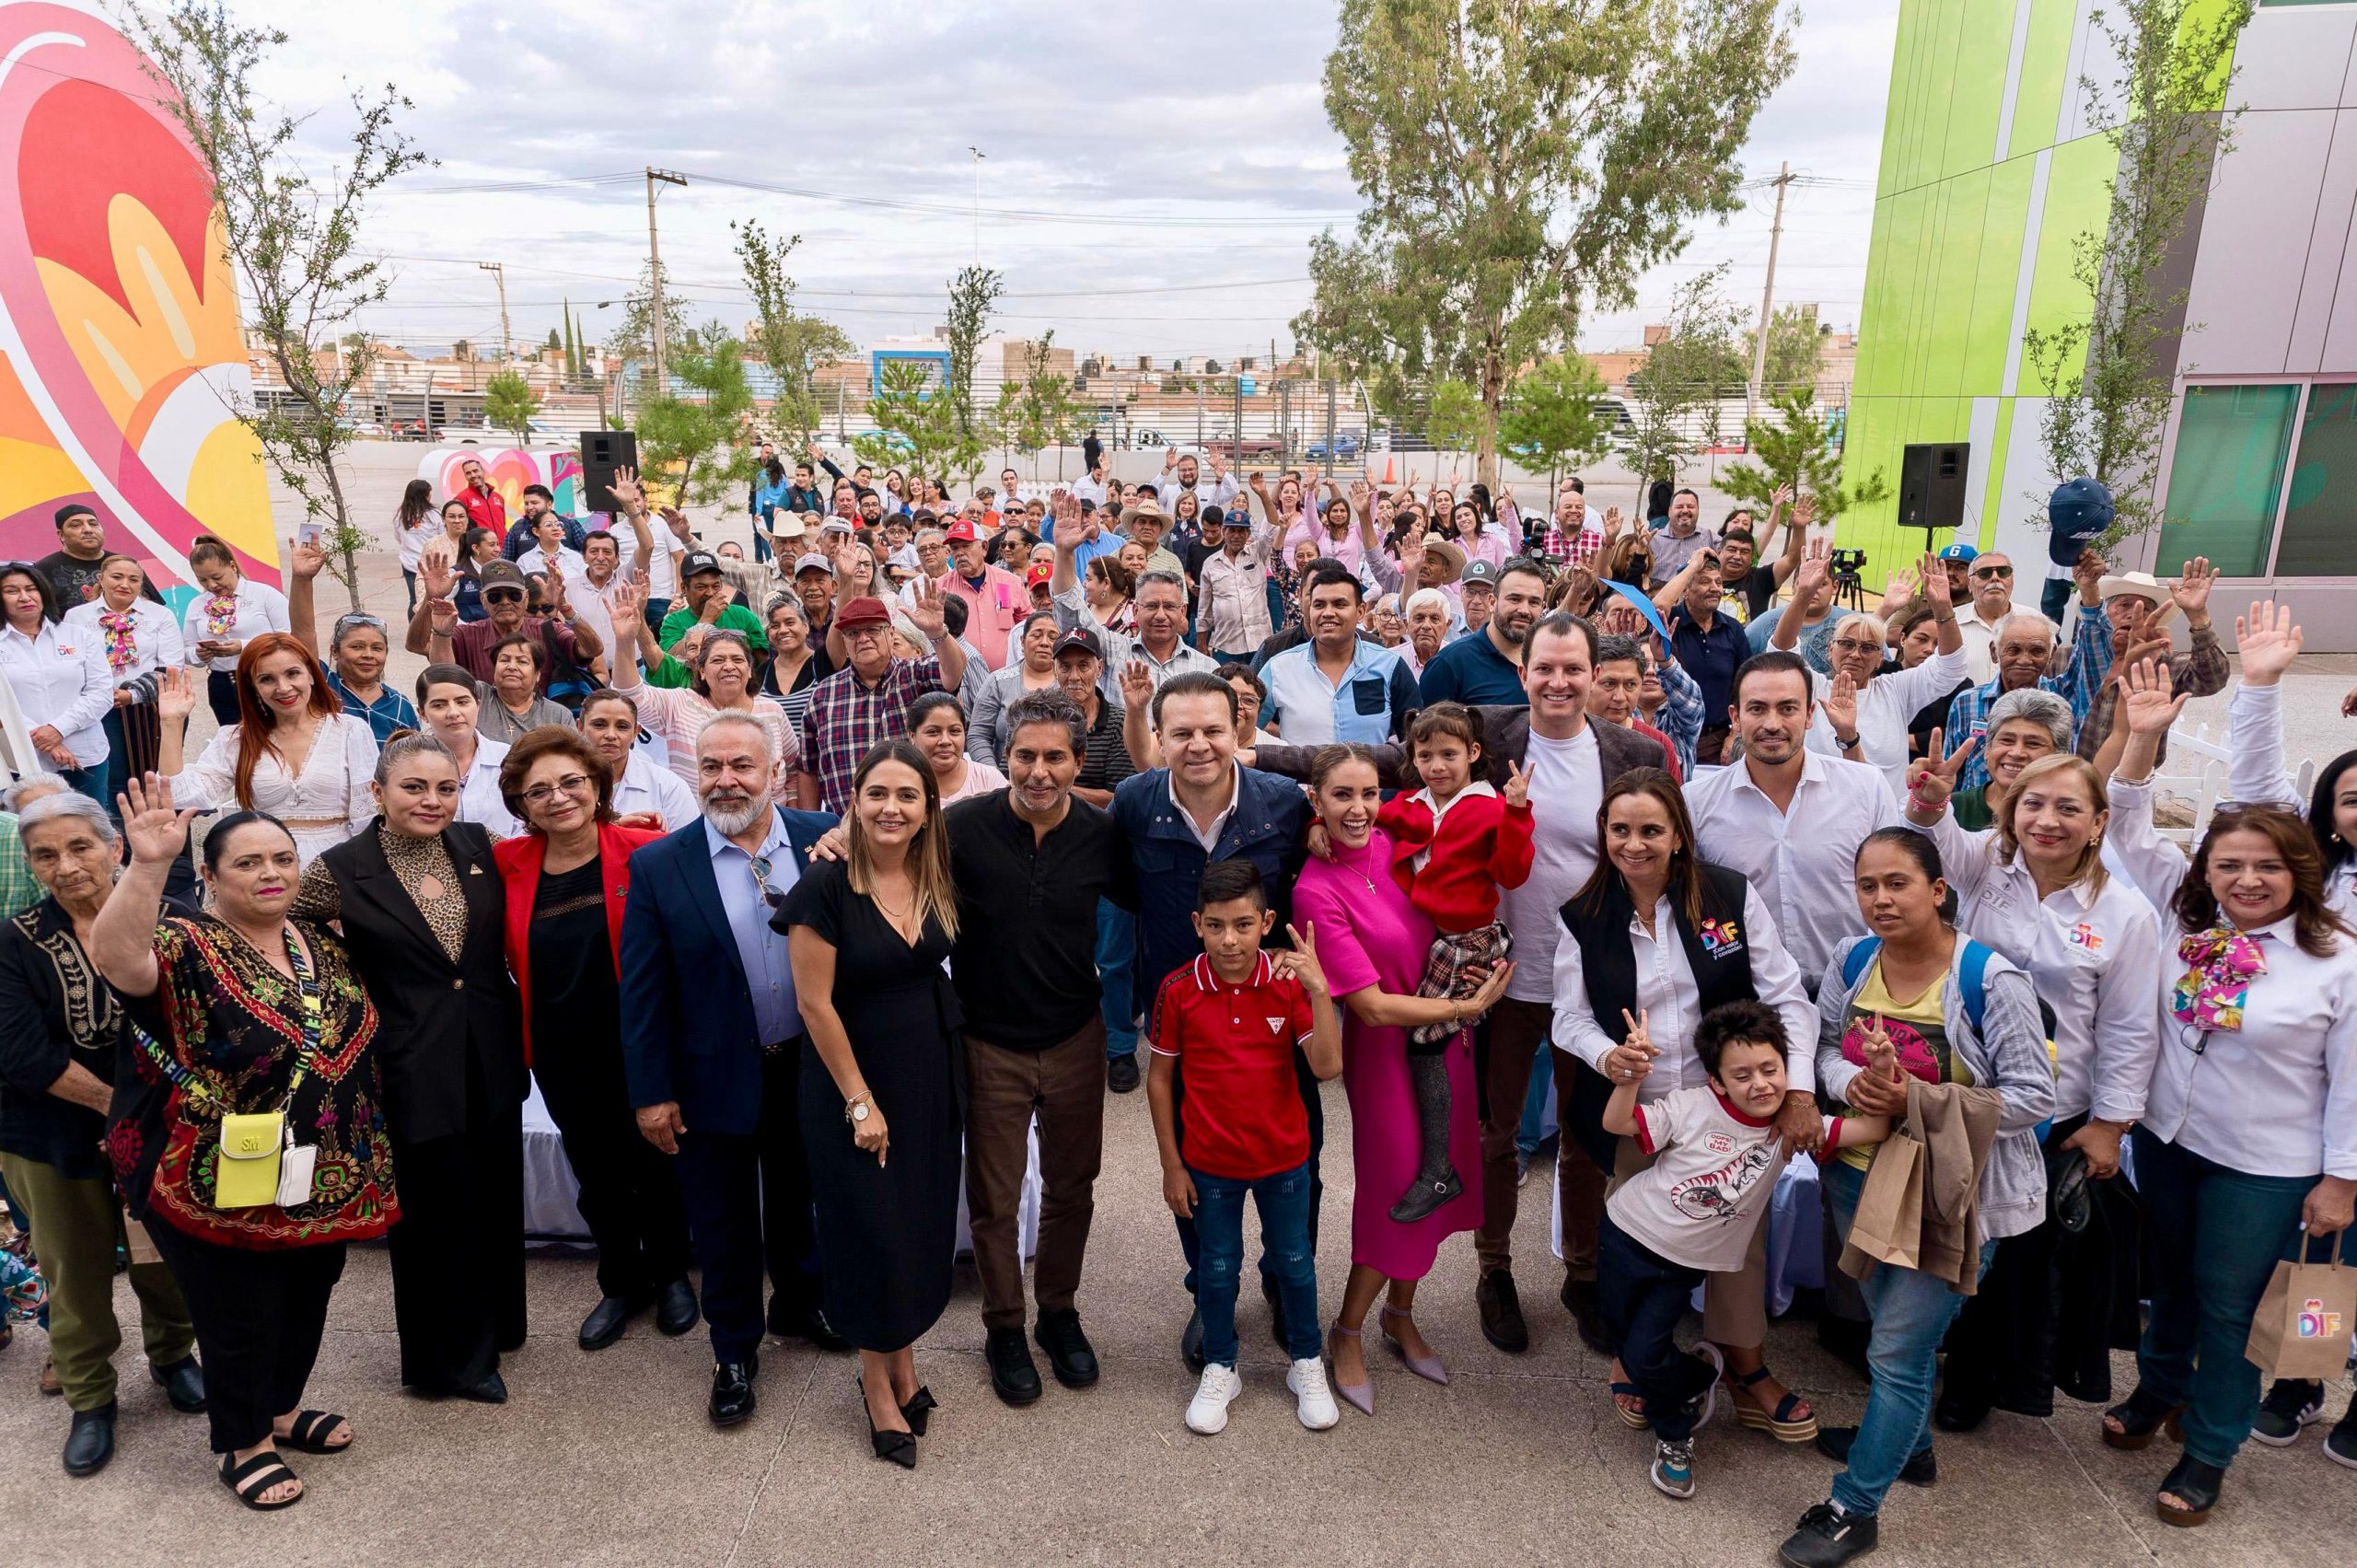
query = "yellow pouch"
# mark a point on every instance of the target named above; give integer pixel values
(246, 1175)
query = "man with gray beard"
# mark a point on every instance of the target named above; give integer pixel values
(712, 1046)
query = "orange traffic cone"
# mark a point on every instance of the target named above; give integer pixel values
(1387, 471)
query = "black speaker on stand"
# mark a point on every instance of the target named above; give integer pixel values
(1931, 487)
(603, 451)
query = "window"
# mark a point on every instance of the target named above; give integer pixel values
(2227, 477)
(2320, 517)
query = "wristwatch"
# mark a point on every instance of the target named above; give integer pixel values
(1845, 742)
(855, 1109)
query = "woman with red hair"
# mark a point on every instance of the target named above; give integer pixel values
(293, 752)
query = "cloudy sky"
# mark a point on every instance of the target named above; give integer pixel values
(1152, 171)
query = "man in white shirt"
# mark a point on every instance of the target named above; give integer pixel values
(1181, 474)
(1991, 577)
(1093, 489)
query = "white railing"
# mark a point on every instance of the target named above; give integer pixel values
(2195, 771)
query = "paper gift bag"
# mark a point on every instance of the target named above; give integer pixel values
(1889, 1223)
(2303, 1322)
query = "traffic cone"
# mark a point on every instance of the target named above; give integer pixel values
(1387, 471)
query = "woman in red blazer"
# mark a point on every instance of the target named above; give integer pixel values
(567, 878)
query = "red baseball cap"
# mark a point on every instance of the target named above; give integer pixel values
(1039, 573)
(961, 531)
(863, 613)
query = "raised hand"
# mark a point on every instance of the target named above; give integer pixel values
(1137, 685)
(628, 494)
(2192, 591)
(1804, 512)
(1930, 782)
(1517, 790)
(1779, 498)
(437, 567)
(442, 617)
(1632, 1059)
(1840, 705)
(1816, 568)
(304, 557)
(176, 696)
(2270, 640)
(2147, 706)
(154, 832)
(1901, 589)
(623, 602)
(1613, 523)
(1302, 962)
(2087, 572)
(926, 611)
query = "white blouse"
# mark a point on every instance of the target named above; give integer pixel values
(156, 640)
(478, 797)
(647, 785)
(255, 609)
(60, 677)
(2279, 1095)
(322, 806)
(1672, 1002)
(2095, 961)
(1885, 704)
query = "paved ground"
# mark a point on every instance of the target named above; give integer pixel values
(608, 1459)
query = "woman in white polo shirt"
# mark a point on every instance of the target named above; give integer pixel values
(59, 675)
(138, 637)
(224, 616)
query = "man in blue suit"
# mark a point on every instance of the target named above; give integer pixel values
(712, 1045)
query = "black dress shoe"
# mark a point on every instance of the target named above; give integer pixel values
(1270, 1293)
(1502, 1323)
(183, 1383)
(1959, 1414)
(1070, 1355)
(89, 1442)
(605, 1321)
(1586, 1307)
(1191, 1343)
(732, 1392)
(1835, 1442)
(491, 1390)
(1014, 1378)
(674, 1308)
(1122, 1072)
(806, 1323)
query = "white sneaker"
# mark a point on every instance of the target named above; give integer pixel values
(1207, 1411)
(1313, 1401)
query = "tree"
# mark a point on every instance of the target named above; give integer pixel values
(972, 293)
(293, 239)
(2112, 373)
(509, 404)
(1453, 417)
(1794, 449)
(1522, 161)
(695, 441)
(918, 428)
(1037, 412)
(794, 345)
(555, 342)
(633, 336)
(1684, 370)
(1552, 419)
(1792, 334)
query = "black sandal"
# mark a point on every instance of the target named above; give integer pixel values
(2140, 1417)
(2195, 1482)
(306, 1436)
(919, 1411)
(249, 1480)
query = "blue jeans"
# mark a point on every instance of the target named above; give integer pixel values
(1284, 1200)
(1643, 1296)
(2214, 1236)
(1116, 969)
(1911, 1311)
(1534, 1103)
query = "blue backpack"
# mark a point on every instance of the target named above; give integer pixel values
(1973, 976)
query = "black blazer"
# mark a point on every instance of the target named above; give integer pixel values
(433, 1014)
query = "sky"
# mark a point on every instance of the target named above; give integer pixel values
(1152, 171)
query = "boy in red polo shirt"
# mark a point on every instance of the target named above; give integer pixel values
(1236, 1016)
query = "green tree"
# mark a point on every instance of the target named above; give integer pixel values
(695, 441)
(794, 346)
(972, 293)
(1791, 447)
(917, 428)
(555, 342)
(1674, 397)
(1454, 418)
(509, 404)
(293, 238)
(1551, 419)
(633, 336)
(1793, 347)
(2112, 372)
(1523, 161)
(1038, 412)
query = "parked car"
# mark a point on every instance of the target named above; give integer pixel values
(1341, 448)
(1265, 448)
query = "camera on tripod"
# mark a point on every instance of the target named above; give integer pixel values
(1849, 577)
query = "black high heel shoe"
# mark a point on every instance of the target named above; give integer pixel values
(919, 1411)
(2140, 1417)
(900, 1447)
(2197, 1483)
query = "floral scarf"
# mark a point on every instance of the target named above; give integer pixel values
(2213, 992)
(122, 638)
(220, 615)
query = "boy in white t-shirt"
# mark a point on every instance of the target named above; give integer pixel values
(1715, 1157)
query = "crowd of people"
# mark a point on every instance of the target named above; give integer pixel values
(815, 887)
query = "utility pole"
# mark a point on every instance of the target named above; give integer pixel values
(499, 270)
(1767, 306)
(655, 274)
(978, 155)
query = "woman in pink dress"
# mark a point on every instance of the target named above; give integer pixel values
(1373, 943)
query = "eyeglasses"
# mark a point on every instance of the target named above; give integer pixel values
(502, 596)
(1993, 572)
(541, 793)
(772, 896)
(1852, 645)
(346, 622)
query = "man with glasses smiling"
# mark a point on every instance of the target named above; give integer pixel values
(1989, 575)
(868, 700)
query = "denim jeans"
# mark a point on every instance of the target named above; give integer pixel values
(1643, 1296)
(1116, 969)
(1535, 1103)
(1284, 1201)
(2213, 1236)
(1911, 1311)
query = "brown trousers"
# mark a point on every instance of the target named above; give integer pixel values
(1516, 1030)
(1065, 1085)
(1734, 1307)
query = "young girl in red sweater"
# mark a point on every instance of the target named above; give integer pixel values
(1456, 843)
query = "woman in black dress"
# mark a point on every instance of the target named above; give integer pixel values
(867, 938)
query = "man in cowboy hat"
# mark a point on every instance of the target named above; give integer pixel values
(2139, 606)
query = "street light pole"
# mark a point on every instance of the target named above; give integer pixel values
(1767, 306)
(499, 270)
(655, 270)
(978, 155)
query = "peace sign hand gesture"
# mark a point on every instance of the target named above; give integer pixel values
(1302, 962)
(1930, 782)
(1632, 1059)
(1517, 790)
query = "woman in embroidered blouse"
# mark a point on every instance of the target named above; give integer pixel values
(2249, 1140)
(229, 613)
(723, 683)
(291, 753)
(246, 1012)
(59, 676)
(141, 639)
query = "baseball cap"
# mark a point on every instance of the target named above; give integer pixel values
(697, 561)
(836, 525)
(863, 612)
(1959, 551)
(1039, 573)
(814, 562)
(1478, 572)
(1234, 518)
(506, 575)
(1080, 640)
(961, 531)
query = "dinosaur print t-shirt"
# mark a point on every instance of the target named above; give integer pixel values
(1917, 1026)
(1713, 1171)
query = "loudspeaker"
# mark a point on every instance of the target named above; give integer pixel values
(1931, 486)
(603, 451)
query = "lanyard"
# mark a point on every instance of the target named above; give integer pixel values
(306, 983)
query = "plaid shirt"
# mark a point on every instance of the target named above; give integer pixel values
(2201, 670)
(1682, 713)
(2081, 680)
(19, 891)
(847, 717)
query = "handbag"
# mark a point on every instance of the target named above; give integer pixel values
(2304, 1321)
(259, 1162)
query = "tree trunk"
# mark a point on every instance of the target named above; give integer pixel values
(1494, 389)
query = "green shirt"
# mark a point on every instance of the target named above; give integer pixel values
(19, 891)
(735, 618)
(1971, 809)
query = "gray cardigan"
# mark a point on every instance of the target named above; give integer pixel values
(2013, 1061)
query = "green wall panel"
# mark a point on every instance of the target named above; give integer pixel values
(2077, 202)
(1990, 331)
(2045, 75)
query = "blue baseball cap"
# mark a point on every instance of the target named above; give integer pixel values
(1959, 551)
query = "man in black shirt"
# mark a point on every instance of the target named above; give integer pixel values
(1754, 585)
(72, 569)
(1032, 862)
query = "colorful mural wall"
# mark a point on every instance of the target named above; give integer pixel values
(120, 357)
(509, 471)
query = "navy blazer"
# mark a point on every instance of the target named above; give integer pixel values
(688, 1033)
(1267, 828)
